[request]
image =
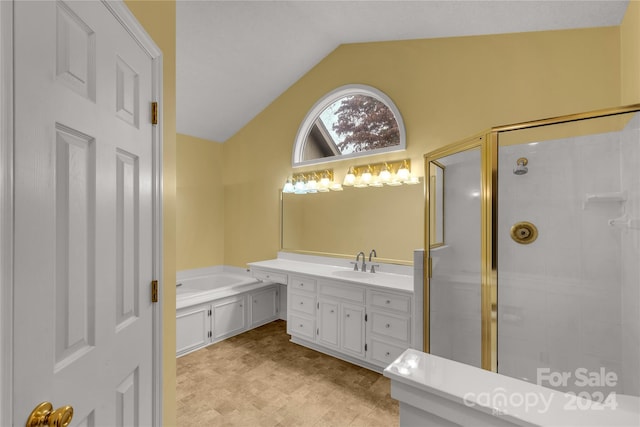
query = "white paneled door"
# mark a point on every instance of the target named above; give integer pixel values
(83, 230)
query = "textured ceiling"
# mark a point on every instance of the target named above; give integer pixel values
(235, 57)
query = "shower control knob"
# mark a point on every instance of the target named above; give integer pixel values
(524, 233)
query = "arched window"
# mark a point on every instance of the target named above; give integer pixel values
(351, 121)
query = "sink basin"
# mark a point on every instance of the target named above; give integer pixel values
(352, 274)
(379, 279)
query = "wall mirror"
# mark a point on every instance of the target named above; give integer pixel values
(387, 219)
(351, 121)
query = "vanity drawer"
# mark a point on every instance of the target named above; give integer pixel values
(386, 300)
(390, 326)
(302, 303)
(302, 283)
(348, 292)
(301, 326)
(384, 353)
(269, 276)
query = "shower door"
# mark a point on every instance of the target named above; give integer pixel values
(568, 240)
(455, 242)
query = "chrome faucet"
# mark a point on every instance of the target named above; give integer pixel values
(373, 266)
(355, 264)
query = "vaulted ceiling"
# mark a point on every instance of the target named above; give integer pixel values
(235, 57)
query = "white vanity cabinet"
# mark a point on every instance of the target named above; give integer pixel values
(341, 317)
(301, 307)
(361, 321)
(389, 325)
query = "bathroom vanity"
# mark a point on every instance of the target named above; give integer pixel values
(361, 317)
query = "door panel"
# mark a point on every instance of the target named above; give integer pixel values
(83, 215)
(454, 287)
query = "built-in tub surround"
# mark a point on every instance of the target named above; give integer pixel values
(440, 392)
(218, 302)
(364, 318)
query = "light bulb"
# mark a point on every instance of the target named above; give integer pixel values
(349, 178)
(385, 175)
(300, 187)
(366, 178)
(312, 186)
(403, 173)
(394, 181)
(376, 181)
(324, 182)
(288, 186)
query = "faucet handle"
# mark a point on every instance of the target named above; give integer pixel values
(355, 265)
(373, 267)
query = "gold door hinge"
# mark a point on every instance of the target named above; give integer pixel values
(154, 113)
(154, 291)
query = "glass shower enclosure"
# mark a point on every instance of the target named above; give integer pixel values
(533, 232)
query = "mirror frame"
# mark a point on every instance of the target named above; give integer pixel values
(327, 100)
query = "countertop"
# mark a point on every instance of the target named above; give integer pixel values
(390, 281)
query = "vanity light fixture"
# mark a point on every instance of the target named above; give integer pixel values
(308, 182)
(371, 175)
(379, 174)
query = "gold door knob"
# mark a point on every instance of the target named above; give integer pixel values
(43, 415)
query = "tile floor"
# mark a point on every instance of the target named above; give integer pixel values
(259, 378)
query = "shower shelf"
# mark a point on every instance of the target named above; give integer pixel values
(618, 196)
(625, 221)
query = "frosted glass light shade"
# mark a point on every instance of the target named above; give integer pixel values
(403, 174)
(288, 186)
(349, 179)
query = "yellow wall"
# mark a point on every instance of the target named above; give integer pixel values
(200, 201)
(159, 19)
(446, 89)
(630, 47)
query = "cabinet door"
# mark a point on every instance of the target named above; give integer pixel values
(328, 323)
(192, 328)
(264, 306)
(352, 329)
(229, 317)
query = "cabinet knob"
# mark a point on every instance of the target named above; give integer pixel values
(301, 303)
(348, 315)
(388, 302)
(387, 354)
(301, 325)
(302, 285)
(388, 325)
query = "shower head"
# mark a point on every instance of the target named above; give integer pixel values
(521, 167)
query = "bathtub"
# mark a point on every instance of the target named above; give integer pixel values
(217, 303)
(201, 289)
